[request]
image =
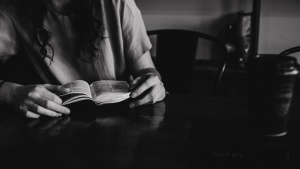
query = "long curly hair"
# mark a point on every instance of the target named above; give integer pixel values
(85, 22)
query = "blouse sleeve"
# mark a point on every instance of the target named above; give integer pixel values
(8, 41)
(136, 40)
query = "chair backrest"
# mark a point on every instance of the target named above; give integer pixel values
(175, 57)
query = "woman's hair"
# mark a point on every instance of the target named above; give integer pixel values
(86, 24)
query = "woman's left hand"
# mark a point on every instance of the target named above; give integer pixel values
(147, 89)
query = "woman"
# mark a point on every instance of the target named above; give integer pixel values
(67, 40)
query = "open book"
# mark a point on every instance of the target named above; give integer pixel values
(101, 92)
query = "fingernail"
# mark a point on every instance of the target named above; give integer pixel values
(133, 95)
(131, 105)
(67, 111)
(68, 90)
(58, 100)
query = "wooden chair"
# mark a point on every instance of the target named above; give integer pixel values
(175, 57)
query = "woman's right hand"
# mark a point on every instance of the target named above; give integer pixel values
(36, 100)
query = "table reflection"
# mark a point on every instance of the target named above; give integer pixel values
(112, 136)
(149, 119)
(109, 140)
(132, 120)
(42, 129)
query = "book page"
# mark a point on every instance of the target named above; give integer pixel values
(75, 97)
(109, 91)
(80, 90)
(78, 86)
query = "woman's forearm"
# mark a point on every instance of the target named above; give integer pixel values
(6, 92)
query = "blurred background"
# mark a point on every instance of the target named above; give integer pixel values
(278, 30)
(279, 20)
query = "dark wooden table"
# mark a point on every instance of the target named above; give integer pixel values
(114, 136)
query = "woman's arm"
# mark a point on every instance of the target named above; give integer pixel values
(147, 87)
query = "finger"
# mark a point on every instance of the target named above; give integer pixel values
(23, 108)
(143, 101)
(147, 99)
(30, 114)
(50, 105)
(152, 97)
(57, 89)
(40, 90)
(148, 83)
(42, 111)
(135, 83)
